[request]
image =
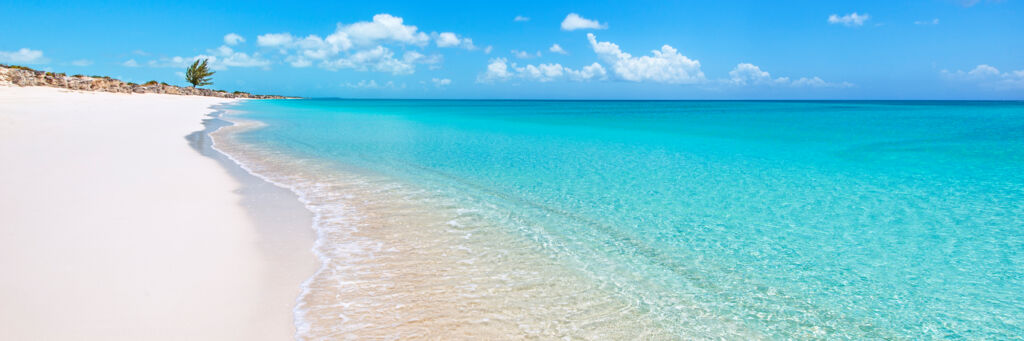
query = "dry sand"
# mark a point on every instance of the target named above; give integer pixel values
(113, 228)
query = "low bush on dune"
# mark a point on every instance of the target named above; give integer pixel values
(17, 67)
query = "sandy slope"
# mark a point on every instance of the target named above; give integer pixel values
(112, 227)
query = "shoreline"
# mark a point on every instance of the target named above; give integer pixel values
(418, 264)
(293, 194)
(129, 233)
(274, 207)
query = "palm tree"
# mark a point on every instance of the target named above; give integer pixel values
(199, 74)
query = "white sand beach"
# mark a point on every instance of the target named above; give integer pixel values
(113, 228)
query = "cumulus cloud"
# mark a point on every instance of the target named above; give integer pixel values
(441, 82)
(749, 74)
(499, 69)
(233, 39)
(574, 22)
(851, 20)
(666, 65)
(524, 54)
(381, 59)
(81, 62)
(449, 39)
(488, 49)
(220, 58)
(274, 39)
(225, 57)
(384, 27)
(22, 56)
(521, 18)
(988, 76)
(130, 63)
(365, 46)
(557, 49)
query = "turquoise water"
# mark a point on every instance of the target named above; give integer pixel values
(894, 220)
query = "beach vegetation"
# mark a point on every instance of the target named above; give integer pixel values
(198, 74)
(150, 83)
(17, 67)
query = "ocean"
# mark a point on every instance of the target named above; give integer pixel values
(651, 219)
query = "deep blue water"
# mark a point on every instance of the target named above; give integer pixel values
(859, 219)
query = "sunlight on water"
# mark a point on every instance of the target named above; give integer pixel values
(659, 220)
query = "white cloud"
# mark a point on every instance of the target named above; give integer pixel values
(852, 19)
(449, 39)
(372, 84)
(574, 21)
(927, 22)
(499, 69)
(384, 27)
(662, 66)
(381, 59)
(227, 57)
(524, 54)
(23, 56)
(746, 73)
(488, 49)
(365, 46)
(81, 62)
(441, 82)
(557, 49)
(274, 39)
(174, 62)
(130, 63)
(233, 39)
(988, 76)
(749, 74)
(299, 61)
(521, 18)
(219, 59)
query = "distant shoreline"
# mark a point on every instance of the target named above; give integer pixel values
(24, 76)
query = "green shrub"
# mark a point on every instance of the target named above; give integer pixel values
(17, 67)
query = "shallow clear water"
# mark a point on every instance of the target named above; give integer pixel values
(653, 219)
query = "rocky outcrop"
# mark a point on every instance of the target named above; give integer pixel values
(22, 76)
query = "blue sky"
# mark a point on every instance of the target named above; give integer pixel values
(930, 49)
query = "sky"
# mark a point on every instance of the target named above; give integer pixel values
(927, 49)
